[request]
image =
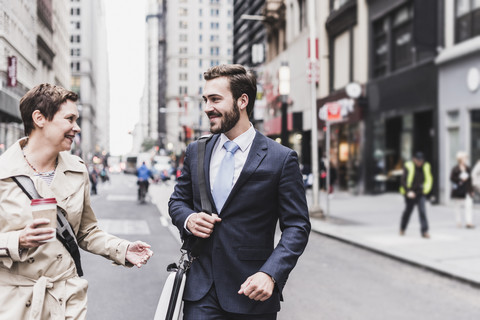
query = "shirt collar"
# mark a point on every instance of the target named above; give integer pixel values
(243, 141)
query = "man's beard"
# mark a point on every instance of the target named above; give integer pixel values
(229, 120)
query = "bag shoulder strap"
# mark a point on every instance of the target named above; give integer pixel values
(202, 185)
(64, 229)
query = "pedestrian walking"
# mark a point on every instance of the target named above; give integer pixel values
(416, 184)
(462, 191)
(253, 182)
(93, 174)
(40, 279)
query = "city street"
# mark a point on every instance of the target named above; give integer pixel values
(332, 280)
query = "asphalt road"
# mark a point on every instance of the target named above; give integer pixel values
(332, 281)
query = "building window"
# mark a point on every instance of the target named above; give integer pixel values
(380, 47)
(402, 54)
(475, 127)
(393, 41)
(183, 63)
(301, 14)
(183, 12)
(182, 76)
(183, 37)
(183, 50)
(200, 38)
(467, 19)
(182, 90)
(214, 51)
(182, 24)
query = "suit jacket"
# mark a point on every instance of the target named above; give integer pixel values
(268, 190)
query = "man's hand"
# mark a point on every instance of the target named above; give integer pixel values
(411, 195)
(258, 287)
(201, 224)
(33, 236)
(138, 253)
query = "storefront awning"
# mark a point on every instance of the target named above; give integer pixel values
(9, 105)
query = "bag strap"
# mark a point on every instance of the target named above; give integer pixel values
(202, 185)
(64, 229)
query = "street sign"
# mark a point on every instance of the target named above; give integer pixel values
(334, 111)
(311, 67)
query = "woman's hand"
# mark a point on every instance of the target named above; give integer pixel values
(138, 253)
(32, 236)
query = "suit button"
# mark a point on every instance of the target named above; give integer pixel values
(59, 257)
(31, 260)
(60, 300)
(28, 304)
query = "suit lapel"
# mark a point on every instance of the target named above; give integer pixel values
(258, 151)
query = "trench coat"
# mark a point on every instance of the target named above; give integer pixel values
(42, 283)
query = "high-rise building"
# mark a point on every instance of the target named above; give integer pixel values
(33, 50)
(89, 68)
(151, 129)
(199, 35)
(249, 32)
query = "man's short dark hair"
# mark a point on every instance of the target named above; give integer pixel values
(241, 81)
(47, 99)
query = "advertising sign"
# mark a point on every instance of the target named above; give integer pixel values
(12, 71)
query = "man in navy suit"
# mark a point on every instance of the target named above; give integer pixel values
(240, 272)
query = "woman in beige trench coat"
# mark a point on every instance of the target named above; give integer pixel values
(38, 279)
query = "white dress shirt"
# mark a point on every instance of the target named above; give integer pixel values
(244, 142)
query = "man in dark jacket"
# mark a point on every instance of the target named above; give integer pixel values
(240, 272)
(416, 183)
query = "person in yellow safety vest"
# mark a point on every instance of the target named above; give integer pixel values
(416, 183)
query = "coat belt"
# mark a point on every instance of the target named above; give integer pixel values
(41, 287)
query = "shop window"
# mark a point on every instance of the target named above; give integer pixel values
(467, 19)
(475, 133)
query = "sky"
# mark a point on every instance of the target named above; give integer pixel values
(125, 20)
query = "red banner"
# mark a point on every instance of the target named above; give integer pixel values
(12, 71)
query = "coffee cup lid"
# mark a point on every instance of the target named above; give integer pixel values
(36, 202)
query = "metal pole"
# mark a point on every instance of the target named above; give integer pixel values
(327, 166)
(315, 208)
(284, 132)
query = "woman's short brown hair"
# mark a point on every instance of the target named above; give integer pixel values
(46, 98)
(241, 81)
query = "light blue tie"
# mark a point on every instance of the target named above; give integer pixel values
(224, 179)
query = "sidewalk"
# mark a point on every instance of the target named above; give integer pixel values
(372, 222)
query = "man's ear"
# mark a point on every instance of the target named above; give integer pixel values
(242, 102)
(38, 119)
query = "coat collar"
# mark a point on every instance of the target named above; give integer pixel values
(12, 163)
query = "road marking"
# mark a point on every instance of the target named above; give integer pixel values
(121, 197)
(123, 226)
(163, 221)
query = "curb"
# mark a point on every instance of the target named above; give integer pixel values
(394, 256)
